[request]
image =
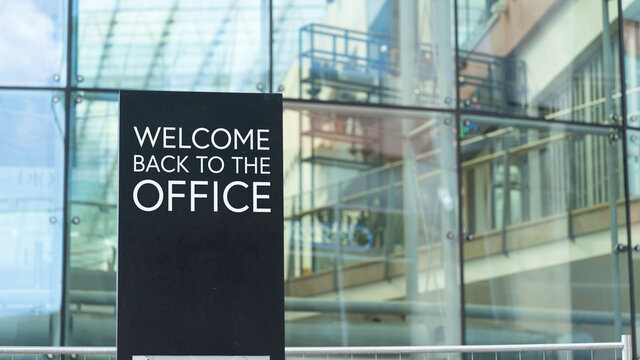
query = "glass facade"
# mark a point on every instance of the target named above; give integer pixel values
(371, 60)
(31, 215)
(455, 171)
(188, 45)
(542, 231)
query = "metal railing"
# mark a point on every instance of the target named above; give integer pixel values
(51, 352)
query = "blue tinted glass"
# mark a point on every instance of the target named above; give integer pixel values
(173, 45)
(93, 177)
(379, 51)
(33, 39)
(31, 215)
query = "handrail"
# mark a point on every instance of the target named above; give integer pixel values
(370, 350)
(313, 26)
(624, 345)
(58, 350)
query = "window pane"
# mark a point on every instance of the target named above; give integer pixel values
(173, 45)
(633, 167)
(388, 52)
(541, 263)
(371, 244)
(31, 216)
(551, 59)
(33, 39)
(631, 38)
(93, 176)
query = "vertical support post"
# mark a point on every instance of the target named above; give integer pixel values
(506, 192)
(300, 194)
(338, 266)
(442, 36)
(389, 237)
(625, 167)
(407, 33)
(290, 260)
(459, 180)
(607, 60)
(570, 186)
(626, 347)
(300, 61)
(66, 240)
(449, 203)
(613, 224)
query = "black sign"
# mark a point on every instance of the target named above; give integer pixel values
(200, 229)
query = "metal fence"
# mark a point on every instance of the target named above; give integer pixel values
(607, 350)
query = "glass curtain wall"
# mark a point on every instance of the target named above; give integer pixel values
(455, 171)
(543, 202)
(31, 215)
(370, 227)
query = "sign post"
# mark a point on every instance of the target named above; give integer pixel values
(200, 229)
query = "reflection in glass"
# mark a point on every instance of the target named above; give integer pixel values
(550, 59)
(371, 251)
(31, 216)
(33, 39)
(631, 38)
(474, 17)
(541, 262)
(93, 171)
(633, 167)
(389, 52)
(173, 45)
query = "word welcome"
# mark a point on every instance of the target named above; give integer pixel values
(202, 138)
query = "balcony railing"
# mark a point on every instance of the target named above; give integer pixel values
(362, 66)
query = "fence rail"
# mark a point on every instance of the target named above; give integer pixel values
(624, 345)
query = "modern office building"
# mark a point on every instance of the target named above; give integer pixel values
(455, 171)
